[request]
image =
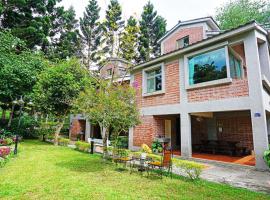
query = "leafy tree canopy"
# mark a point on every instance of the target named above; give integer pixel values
(239, 12)
(58, 87)
(111, 106)
(19, 68)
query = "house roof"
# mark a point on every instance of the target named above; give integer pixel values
(209, 20)
(111, 59)
(225, 34)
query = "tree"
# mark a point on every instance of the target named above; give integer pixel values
(42, 25)
(110, 106)
(152, 28)
(69, 43)
(91, 32)
(19, 69)
(28, 20)
(239, 12)
(129, 40)
(112, 28)
(58, 86)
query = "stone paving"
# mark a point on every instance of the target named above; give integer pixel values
(237, 175)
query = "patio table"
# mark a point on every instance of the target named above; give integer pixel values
(139, 163)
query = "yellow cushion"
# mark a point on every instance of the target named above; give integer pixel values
(125, 159)
(155, 163)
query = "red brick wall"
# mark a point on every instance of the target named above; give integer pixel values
(77, 126)
(236, 129)
(238, 88)
(172, 93)
(150, 128)
(195, 34)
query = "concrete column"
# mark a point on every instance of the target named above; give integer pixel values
(87, 130)
(130, 138)
(186, 143)
(264, 59)
(258, 115)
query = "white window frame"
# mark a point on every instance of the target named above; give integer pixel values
(144, 80)
(208, 83)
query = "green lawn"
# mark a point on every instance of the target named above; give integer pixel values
(43, 171)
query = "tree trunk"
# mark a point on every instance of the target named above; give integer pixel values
(104, 139)
(3, 116)
(57, 131)
(11, 116)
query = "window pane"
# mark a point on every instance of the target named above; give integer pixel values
(207, 67)
(235, 67)
(158, 83)
(150, 85)
(154, 80)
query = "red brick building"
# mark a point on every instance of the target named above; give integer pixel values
(208, 92)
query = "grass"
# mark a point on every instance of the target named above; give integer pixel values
(43, 171)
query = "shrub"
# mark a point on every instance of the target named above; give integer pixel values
(82, 146)
(157, 147)
(4, 151)
(27, 128)
(121, 141)
(63, 141)
(46, 130)
(6, 133)
(192, 169)
(145, 148)
(266, 157)
(8, 141)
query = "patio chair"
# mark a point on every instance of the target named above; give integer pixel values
(164, 164)
(120, 156)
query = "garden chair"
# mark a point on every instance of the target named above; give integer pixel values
(164, 164)
(120, 155)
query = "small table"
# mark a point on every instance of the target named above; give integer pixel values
(140, 163)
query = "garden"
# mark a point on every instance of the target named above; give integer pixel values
(44, 171)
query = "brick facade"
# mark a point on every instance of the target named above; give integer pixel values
(195, 34)
(76, 128)
(145, 133)
(238, 88)
(172, 92)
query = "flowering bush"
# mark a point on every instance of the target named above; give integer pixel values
(6, 141)
(4, 151)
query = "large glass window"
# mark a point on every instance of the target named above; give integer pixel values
(154, 80)
(208, 66)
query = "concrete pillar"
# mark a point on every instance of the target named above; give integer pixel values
(258, 115)
(130, 138)
(87, 130)
(264, 59)
(186, 143)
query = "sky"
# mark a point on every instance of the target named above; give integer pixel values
(171, 10)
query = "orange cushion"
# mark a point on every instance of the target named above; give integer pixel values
(155, 163)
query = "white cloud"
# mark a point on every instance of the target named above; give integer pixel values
(171, 10)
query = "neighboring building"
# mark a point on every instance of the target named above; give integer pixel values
(208, 92)
(82, 129)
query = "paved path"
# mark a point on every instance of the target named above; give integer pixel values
(237, 175)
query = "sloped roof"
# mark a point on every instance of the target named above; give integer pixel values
(208, 20)
(252, 24)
